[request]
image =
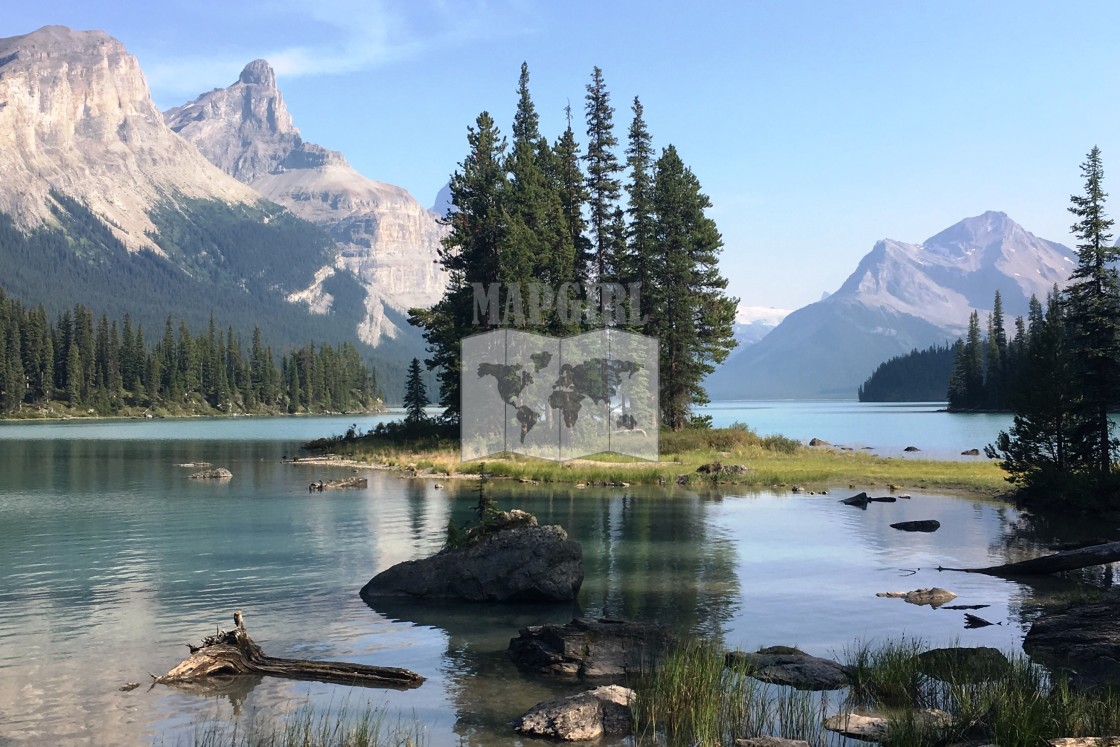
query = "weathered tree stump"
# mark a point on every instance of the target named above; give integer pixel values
(233, 652)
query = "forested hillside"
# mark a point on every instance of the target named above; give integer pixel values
(918, 376)
(79, 365)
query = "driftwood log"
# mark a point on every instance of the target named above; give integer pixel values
(233, 652)
(1067, 560)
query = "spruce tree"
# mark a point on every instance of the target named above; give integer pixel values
(691, 315)
(1093, 303)
(1036, 451)
(640, 252)
(470, 253)
(603, 184)
(573, 199)
(537, 246)
(415, 394)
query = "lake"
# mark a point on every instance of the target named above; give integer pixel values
(111, 560)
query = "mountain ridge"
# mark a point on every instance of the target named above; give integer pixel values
(384, 236)
(901, 296)
(76, 117)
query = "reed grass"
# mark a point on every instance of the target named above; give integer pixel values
(693, 698)
(368, 727)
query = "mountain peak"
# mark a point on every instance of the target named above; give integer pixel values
(258, 72)
(979, 232)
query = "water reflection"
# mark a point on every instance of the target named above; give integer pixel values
(111, 559)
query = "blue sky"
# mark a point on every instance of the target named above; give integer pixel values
(816, 128)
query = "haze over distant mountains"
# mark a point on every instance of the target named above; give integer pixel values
(901, 296)
(385, 237)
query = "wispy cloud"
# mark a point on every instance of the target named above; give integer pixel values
(349, 36)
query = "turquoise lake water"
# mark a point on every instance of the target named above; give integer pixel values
(111, 559)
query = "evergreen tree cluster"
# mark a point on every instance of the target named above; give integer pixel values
(1067, 378)
(918, 376)
(87, 362)
(533, 211)
(987, 365)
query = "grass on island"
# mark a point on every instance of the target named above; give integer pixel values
(693, 698)
(770, 461)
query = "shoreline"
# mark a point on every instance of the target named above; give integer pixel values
(197, 416)
(854, 473)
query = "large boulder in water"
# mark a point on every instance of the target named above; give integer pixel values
(519, 564)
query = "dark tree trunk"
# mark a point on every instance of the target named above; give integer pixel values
(1068, 560)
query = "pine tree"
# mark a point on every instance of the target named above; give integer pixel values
(690, 314)
(1036, 450)
(966, 390)
(537, 246)
(639, 256)
(573, 199)
(603, 185)
(415, 394)
(471, 253)
(1093, 303)
(996, 367)
(73, 376)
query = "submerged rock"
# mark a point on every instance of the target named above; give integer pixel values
(523, 563)
(859, 499)
(934, 596)
(922, 525)
(581, 717)
(589, 648)
(221, 473)
(780, 665)
(874, 728)
(770, 742)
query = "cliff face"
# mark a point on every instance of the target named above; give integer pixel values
(384, 236)
(76, 117)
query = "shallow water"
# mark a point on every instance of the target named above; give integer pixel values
(111, 559)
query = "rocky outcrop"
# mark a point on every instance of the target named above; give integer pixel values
(1083, 640)
(76, 118)
(780, 665)
(221, 473)
(385, 238)
(589, 648)
(581, 717)
(519, 564)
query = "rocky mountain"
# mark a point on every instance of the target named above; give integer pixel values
(102, 204)
(384, 236)
(901, 296)
(76, 118)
